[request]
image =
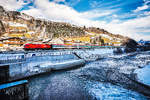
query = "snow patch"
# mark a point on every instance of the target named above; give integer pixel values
(143, 75)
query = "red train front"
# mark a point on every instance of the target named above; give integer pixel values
(37, 46)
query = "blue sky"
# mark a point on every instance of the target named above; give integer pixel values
(126, 17)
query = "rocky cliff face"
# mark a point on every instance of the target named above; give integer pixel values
(15, 24)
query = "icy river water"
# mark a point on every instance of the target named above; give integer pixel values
(109, 78)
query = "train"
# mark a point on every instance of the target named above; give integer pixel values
(60, 46)
(53, 46)
(37, 46)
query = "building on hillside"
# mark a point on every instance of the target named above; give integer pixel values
(68, 40)
(76, 40)
(20, 35)
(26, 35)
(12, 41)
(13, 29)
(85, 39)
(57, 41)
(1, 45)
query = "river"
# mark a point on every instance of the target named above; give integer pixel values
(109, 78)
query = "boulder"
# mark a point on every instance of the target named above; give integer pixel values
(130, 45)
(118, 51)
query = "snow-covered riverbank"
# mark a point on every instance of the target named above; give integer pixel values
(143, 75)
(109, 78)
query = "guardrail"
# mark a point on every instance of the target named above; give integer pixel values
(14, 91)
(11, 57)
(9, 90)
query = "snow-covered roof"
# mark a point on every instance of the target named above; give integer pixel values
(106, 36)
(17, 24)
(30, 32)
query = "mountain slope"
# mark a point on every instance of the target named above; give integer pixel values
(18, 28)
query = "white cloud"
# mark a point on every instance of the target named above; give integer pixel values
(13, 4)
(131, 28)
(115, 16)
(35, 13)
(96, 13)
(94, 4)
(147, 13)
(146, 1)
(57, 12)
(144, 7)
(63, 13)
(59, 0)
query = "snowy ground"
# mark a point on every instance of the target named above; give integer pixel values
(143, 75)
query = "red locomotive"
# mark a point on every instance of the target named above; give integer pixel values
(31, 46)
(37, 46)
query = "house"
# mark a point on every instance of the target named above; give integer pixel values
(57, 41)
(13, 41)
